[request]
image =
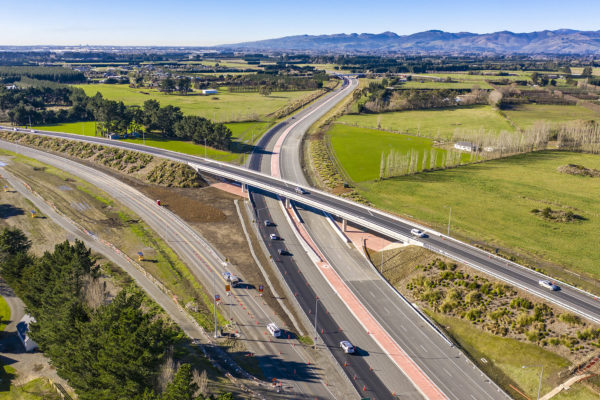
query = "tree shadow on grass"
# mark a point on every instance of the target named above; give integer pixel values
(8, 210)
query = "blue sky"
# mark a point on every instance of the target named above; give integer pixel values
(200, 22)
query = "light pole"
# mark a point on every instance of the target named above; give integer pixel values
(204, 147)
(449, 218)
(316, 311)
(381, 266)
(215, 301)
(541, 374)
(144, 136)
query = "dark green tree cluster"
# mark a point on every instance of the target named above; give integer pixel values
(55, 74)
(201, 130)
(182, 388)
(111, 351)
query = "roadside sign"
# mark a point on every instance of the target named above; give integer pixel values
(217, 297)
(140, 256)
(260, 289)
(227, 288)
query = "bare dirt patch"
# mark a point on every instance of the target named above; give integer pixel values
(574, 169)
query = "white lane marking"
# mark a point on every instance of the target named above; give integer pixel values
(423, 347)
(386, 310)
(446, 371)
(372, 294)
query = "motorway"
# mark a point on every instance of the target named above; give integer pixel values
(283, 359)
(450, 371)
(391, 226)
(569, 298)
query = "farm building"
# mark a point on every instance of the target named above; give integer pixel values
(22, 333)
(209, 91)
(465, 146)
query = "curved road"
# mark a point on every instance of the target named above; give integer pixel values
(277, 357)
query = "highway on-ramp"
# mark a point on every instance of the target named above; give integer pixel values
(289, 364)
(392, 226)
(444, 365)
(570, 298)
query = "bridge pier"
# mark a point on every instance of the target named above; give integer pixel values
(287, 203)
(344, 224)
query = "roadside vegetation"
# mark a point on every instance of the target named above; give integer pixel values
(142, 166)
(123, 342)
(502, 329)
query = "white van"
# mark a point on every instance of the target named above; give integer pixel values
(274, 330)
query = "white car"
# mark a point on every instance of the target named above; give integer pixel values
(274, 330)
(548, 285)
(347, 347)
(274, 236)
(417, 232)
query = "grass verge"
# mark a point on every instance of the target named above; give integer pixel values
(505, 357)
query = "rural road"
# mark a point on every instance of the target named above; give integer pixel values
(283, 359)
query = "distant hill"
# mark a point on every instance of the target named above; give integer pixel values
(563, 41)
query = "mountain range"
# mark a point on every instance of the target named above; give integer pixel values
(562, 41)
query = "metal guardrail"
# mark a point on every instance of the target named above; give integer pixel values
(229, 171)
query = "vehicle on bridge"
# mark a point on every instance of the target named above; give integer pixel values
(549, 285)
(418, 233)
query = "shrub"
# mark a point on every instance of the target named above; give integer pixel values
(524, 319)
(519, 302)
(570, 319)
(473, 314)
(473, 297)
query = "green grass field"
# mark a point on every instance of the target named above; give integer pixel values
(358, 150)
(243, 135)
(222, 107)
(4, 313)
(36, 389)
(577, 392)
(433, 123)
(506, 356)
(492, 202)
(526, 115)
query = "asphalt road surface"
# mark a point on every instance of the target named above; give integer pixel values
(451, 371)
(570, 298)
(279, 359)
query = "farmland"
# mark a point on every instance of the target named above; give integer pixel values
(359, 150)
(492, 203)
(222, 107)
(526, 115)
(433, 123)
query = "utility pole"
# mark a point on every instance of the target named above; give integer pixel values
(215, 301)
(316, 311)
(449, 218)
(381, 266)
(204, 147)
